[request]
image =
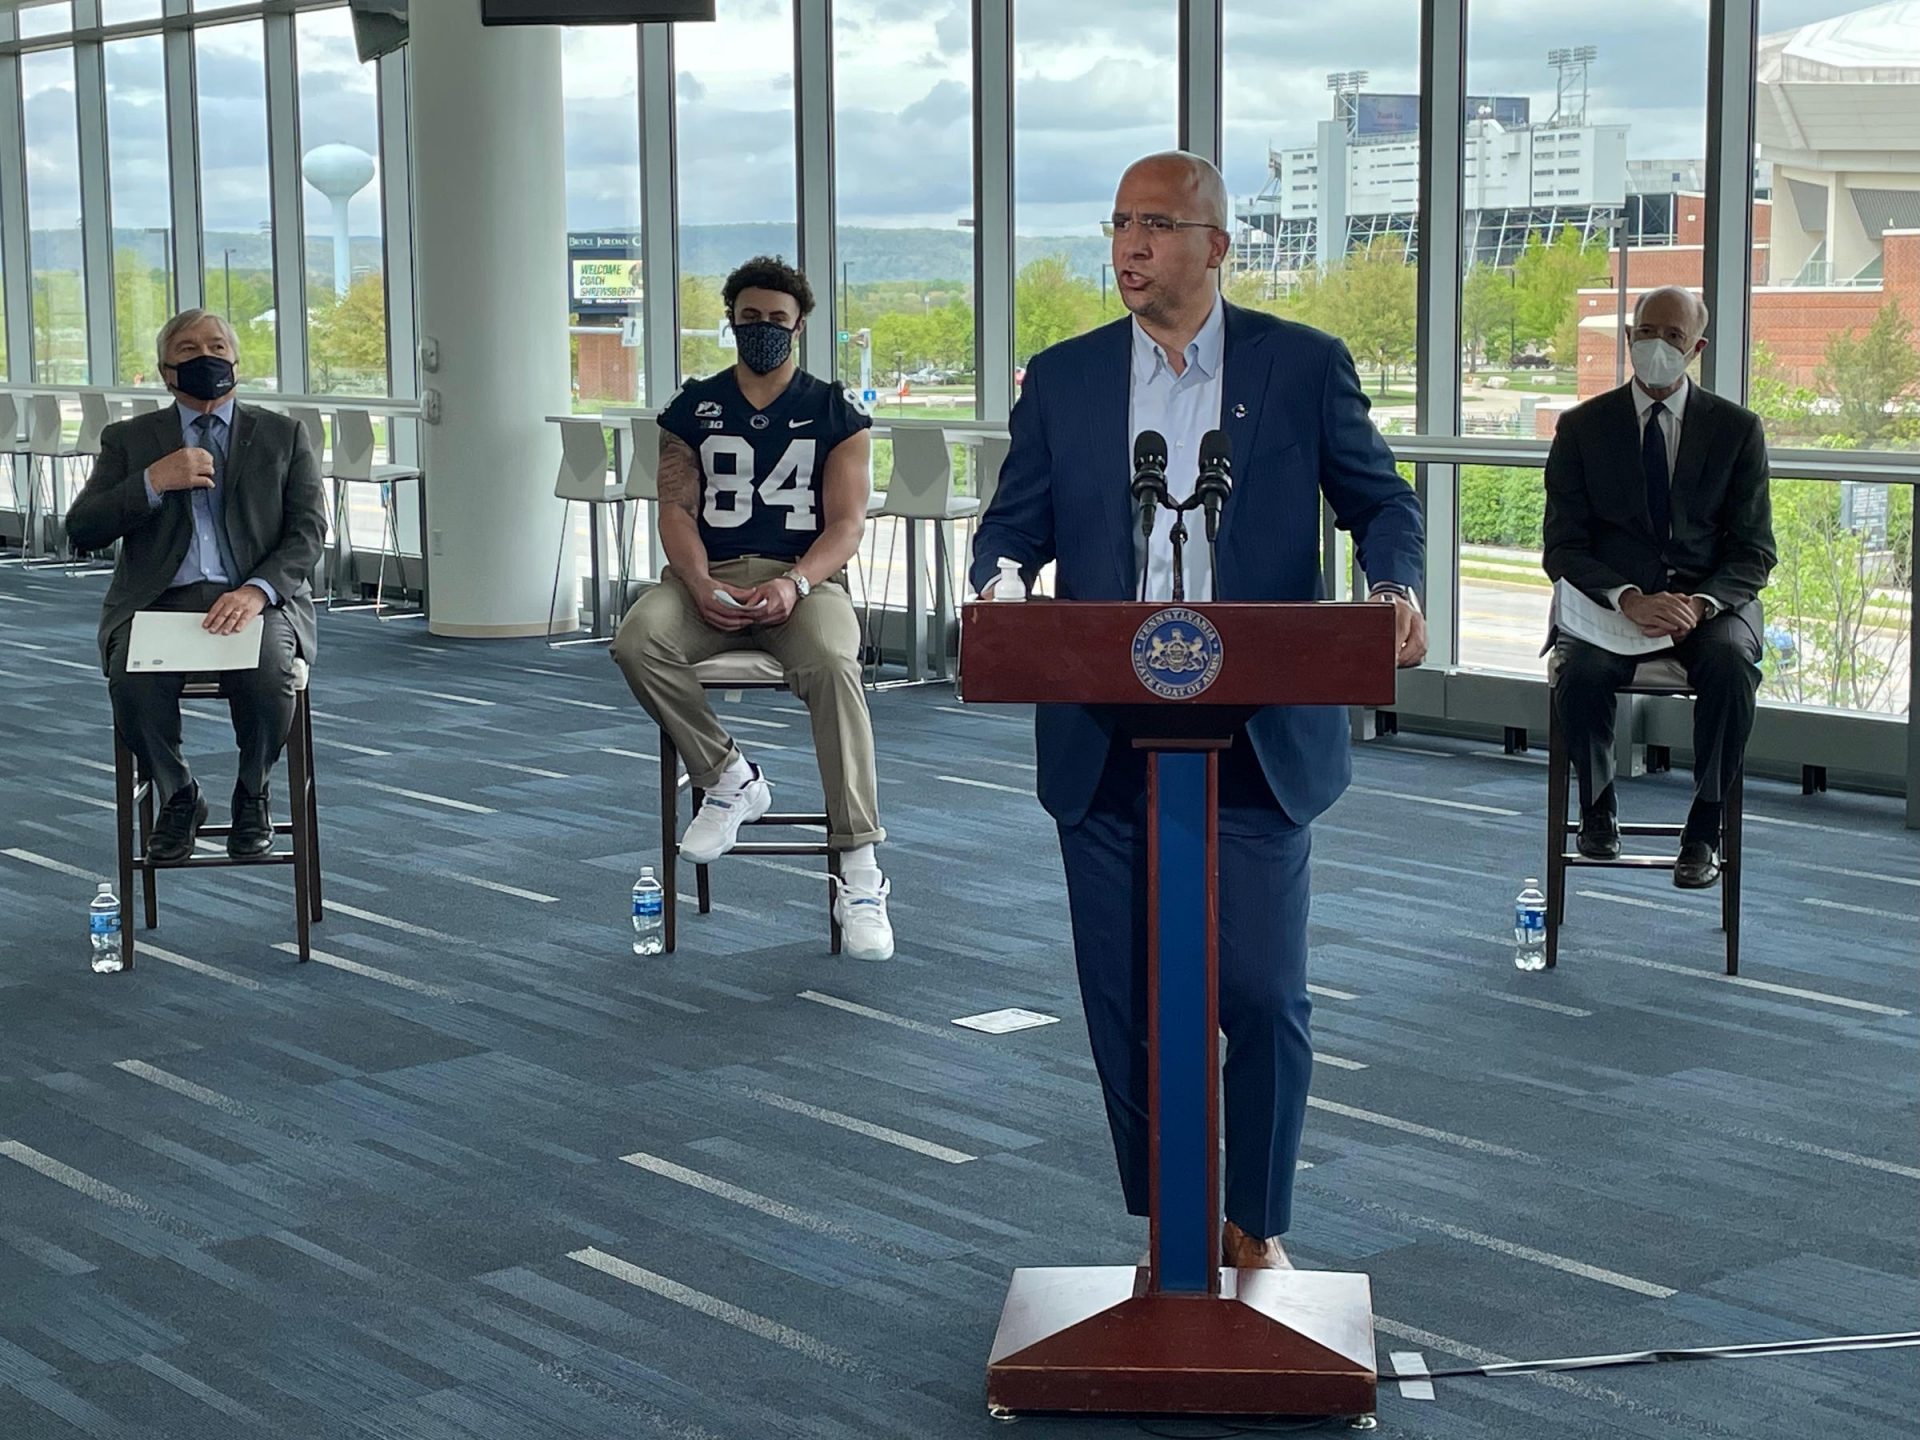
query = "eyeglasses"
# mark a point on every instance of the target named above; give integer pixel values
(1153, 225)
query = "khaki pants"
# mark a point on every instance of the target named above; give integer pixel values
(663, 638)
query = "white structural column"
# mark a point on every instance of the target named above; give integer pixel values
(489, 197)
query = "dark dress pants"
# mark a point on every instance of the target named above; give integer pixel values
(1722, 658)
(1263, 977)
(146, 706)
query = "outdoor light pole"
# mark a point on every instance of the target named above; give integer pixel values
(1620, 330)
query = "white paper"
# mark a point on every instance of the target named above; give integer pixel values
(1003, 1022)
(175, 640)
(1411, 1363)
(1578, 616)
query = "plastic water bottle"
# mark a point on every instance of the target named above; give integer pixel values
(103, 929)
(1530, 928)
(649, 914)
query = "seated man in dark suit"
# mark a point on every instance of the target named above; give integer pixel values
(217, 508)
(1657, 506)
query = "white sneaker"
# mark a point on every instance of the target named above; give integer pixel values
(716, 829)
(865, 931)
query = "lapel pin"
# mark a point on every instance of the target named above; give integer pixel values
(1240, 412)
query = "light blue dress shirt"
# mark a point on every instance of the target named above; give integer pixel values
(1183, 408)
(203, 561)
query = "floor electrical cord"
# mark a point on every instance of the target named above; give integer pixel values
(1281, 1425)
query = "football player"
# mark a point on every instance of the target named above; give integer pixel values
(763, 501)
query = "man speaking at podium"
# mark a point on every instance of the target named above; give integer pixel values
(1287, 399)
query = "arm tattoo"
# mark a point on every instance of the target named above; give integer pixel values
(679, 475)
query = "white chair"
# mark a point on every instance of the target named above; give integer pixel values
(309, 419)
(582, 478)
(988, 458)
(144, 405)
(46, 531)
(353, 464)
(920, 490)
(13, 446)
(96, 413)
(642, 491)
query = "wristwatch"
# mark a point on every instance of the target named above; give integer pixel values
(800, 583)
(1396, 590)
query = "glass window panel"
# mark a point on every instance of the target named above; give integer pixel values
(1565, 141)
(1094, 90)
(903, 83)
(39, 20)
(1322, 150)
(735, 107)
(344, 247)
(1836, 300)
(1838, 617)
(53, 210)
(138, 178)
(125, 12)
(600, 78)
(235, 208)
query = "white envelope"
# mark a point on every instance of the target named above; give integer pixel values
(174, 640)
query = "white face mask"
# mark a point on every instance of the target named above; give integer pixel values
(1658, 364)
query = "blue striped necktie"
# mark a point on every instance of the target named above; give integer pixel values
(213, 439)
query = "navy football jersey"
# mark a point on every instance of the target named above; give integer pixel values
(761, 470)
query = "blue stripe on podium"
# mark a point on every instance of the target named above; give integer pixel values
(1185, 1068)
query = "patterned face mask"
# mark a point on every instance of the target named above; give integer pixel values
(764, 346)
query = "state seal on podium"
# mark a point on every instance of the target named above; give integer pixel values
(1177, 653)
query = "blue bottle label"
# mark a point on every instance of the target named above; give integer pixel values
(647, 904)
(103, 922)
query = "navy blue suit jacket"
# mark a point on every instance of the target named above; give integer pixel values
(1294, 410)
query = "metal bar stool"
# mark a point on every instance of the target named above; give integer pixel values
(583, 478)
(733, 672)
(133, 790)
(353, 464)
(46, 528)
(1663, 676)
(13, 449)
(920, 489)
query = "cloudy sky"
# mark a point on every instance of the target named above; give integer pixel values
(1094, 87)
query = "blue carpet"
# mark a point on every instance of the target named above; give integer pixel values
(480, 1172)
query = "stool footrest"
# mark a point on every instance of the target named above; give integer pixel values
(791, 820)
(1624, 862)
(770, 847)
(213, 862)
(1573, 828)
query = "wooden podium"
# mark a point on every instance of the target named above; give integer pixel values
(1183, 1334)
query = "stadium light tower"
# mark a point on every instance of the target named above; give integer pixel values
(1346, 86)
(1570, 64)
(339, 172)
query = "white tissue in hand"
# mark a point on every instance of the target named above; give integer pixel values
(1009, 586)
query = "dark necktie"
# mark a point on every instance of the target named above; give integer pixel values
(1653, 464)
(213, 440)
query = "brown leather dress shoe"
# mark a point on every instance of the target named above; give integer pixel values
(1241, 1251)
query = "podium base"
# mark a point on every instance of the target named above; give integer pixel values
(1275, 1342)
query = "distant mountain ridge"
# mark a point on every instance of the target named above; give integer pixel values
(872, 253)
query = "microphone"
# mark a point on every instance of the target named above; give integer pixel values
(1215, 482)
(1149, 476)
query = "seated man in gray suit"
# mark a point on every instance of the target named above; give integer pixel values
(1657, 505)
(218, 508)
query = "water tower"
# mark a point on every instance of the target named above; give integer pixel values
(339, 172)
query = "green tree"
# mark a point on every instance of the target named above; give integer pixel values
(1868, 373)
(1051, 304)
(1547, 281)
(347, 338)
(140, 307)
(1371, 301)
(1487, 302)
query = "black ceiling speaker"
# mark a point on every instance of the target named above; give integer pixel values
(379, 27)
(593, 12)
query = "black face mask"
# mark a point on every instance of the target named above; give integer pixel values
(764, 346)
(205, 377)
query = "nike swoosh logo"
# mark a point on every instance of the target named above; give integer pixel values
(796, 424)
